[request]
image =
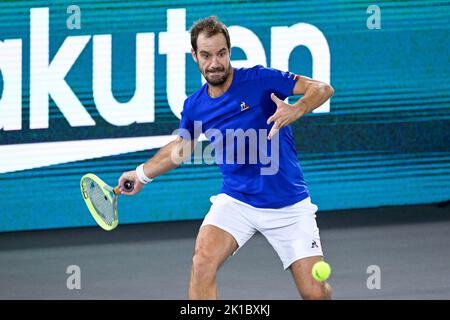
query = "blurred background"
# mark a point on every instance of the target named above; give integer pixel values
(97, 86)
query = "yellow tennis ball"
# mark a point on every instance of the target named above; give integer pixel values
(321, 271)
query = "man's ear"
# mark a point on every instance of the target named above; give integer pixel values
(194, 55)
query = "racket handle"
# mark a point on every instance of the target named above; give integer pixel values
(128, 186)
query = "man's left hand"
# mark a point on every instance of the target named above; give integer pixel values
(285, 115)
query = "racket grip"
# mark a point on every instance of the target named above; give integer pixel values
(116, 190)
(128, 186)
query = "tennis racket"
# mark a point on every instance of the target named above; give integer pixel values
(101, 200)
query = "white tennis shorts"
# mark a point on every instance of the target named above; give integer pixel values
(292, 231)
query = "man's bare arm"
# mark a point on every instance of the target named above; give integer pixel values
(167, 158)
(315, 93)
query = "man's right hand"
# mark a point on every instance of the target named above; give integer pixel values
(130, 176)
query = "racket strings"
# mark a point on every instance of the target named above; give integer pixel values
(102, 205)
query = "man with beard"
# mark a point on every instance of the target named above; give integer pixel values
(276, 203)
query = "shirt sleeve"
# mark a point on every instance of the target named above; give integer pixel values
(279, 82)
(275, 81)
(187, 129)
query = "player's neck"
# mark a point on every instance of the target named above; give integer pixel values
(217, 91)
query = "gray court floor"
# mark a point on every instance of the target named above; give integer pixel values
(410, 246)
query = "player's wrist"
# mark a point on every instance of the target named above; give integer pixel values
(142, 177)
(301, 108)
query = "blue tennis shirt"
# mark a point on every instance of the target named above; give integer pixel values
(262, 173)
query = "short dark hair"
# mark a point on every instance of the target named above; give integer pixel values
(211, 26)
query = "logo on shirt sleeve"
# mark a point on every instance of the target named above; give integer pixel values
(244, 106)
(294, 76)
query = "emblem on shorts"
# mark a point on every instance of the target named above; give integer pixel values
(314, 244)
(244, 106)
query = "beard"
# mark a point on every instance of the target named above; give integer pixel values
(220, 76)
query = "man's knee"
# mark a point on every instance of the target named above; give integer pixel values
(204, 266)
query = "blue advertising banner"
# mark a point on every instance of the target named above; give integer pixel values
(98, 86)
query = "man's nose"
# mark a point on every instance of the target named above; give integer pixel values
(215, 62)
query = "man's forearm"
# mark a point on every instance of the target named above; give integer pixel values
(163, 160)
(315, 95)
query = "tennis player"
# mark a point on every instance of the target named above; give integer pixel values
(277, 203)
